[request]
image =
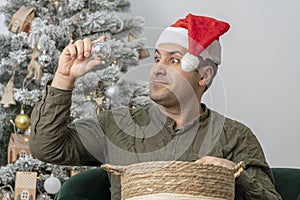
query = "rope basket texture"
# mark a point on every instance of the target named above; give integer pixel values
(168, 180)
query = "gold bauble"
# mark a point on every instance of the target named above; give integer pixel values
(22, 121)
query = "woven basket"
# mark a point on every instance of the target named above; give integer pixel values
(168, 180)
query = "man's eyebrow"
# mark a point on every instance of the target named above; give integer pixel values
(170, 52)
(156, 51)
(176, 52)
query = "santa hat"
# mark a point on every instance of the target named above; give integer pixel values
(200, 35)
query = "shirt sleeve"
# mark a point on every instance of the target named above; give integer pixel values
(53, 139)
(256, 181)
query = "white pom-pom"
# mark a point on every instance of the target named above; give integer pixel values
(189, 62)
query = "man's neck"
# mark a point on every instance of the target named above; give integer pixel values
(182, 116)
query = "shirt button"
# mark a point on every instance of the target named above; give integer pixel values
(51, 93)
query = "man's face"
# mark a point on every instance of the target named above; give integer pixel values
(169, 84)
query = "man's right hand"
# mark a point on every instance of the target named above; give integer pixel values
(74, 62)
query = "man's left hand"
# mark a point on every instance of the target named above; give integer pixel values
(216, 161)
(206, 160)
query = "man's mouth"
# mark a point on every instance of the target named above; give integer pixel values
(158, 82)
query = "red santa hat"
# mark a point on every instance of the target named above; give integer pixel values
(200, 35)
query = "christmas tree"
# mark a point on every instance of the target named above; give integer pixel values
(38, 32)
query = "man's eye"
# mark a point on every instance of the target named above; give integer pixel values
(174, 60)
(156, 59)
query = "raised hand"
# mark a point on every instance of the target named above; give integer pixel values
(74, 62)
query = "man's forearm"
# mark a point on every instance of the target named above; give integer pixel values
(50, 137)
(48, 120)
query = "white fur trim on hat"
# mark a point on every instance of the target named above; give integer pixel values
(174, 35)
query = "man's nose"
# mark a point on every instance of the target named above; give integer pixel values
(159, 68)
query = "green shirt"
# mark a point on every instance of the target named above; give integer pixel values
(126, 136)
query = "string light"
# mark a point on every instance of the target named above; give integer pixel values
(26, 139)
(56, 3)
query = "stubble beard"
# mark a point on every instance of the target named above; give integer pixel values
(165, 97)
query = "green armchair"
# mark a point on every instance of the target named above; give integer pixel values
(88, 185)
(287, 182)
(94, 185)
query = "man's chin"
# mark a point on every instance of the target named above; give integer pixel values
(156, 98)
(158, 94)
(159, 97)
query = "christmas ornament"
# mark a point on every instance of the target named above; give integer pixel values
(21, 20)
(34, 68)
(22, 121)
(8, 95)
(18, 147)
(101, 50)
(143, 53)
(52, 185)
(25, 185)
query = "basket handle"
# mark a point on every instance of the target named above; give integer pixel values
(238, 169)
(113, 169)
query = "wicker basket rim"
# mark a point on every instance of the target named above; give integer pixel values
(156, 165)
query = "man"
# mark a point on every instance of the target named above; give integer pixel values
(179, 127)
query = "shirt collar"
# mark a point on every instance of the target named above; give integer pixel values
(157, 115)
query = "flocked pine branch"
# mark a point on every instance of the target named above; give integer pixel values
(58, 23)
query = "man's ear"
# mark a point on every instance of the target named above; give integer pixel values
(206, 73)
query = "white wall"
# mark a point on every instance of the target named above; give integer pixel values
(258, 80)
(260, 69)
